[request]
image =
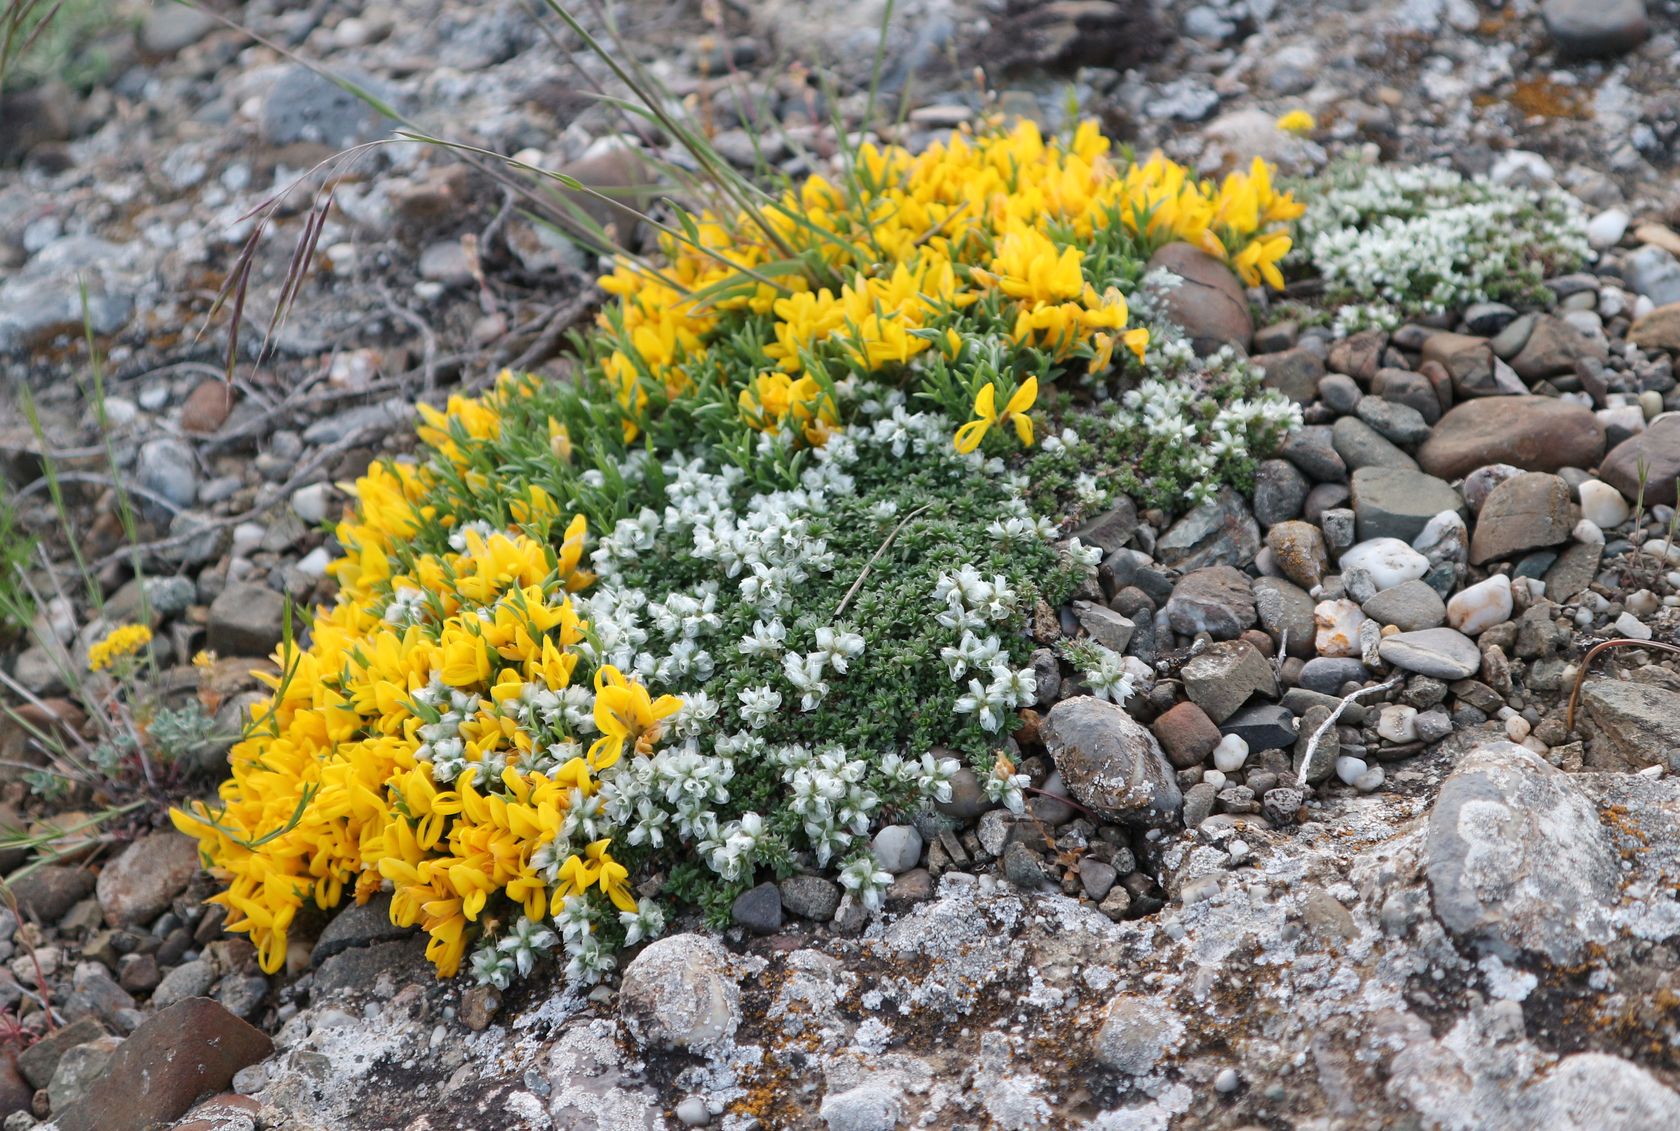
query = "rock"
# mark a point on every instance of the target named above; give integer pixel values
(1485, 318)
(1573, 571)
(1359, 355)
(810, 897)
(1022, 867)
(1217, 600)
(1398, 423)
(246, 620)
(1409, 606)
(1502, 826)
(1317, 764)
(1637, 720)
(305, 106)
(1295, 373)
(1298, 549)
(208, 405)
(1313, 450)
(1658, 330)
(447, 262)
(1136, 1034)
(1340, 392)
(1525, 512)
(137, 886)
(1209, 303)
(167, 467)
(34, 116)
(362, 970)
(1104, 625)
(1602, 505)
(1280, 490)
(1471, 364)
(1262, 726)
(479, 1006)
(1398, 503)
(358, 925)
(1186, 734)
(49, 891)
(39, 1061)
(77, 1069)
(1326, 674)
(968, 799)
(1653, 271)
(867, 1107)
(1360, 445)
(1659, 447)
(1337, 628)
(1397, 723)
(1552, 349)
(1413, 390)
(1377, 564)
(1109, 761)
(1606, 229)
(1478, 608)
(1586, 28)
(1199, 801)
(1533, 433)
(179, 1054)
(678, 993)
(1112, 529)
(1440, 652)
(1286, 613)
(759, 909)
(1221, 532)
(1223, 677)
(188, 980)
(15, 1093)
(898, 848)
(168, 29)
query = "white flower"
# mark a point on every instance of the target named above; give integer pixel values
(864, 879)
(759, 705)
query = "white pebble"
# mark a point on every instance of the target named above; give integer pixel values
(1349, 768)
(314, 563)
(1651, 404)
(1370, 780)
(120, 411)
(1641, 603)
(1655, 771)
(1227, 1081)
(247, 536)
(1398, 723)
(1602, 504)
(1584, 618)
(1481, 606)
(1517, 728)
(1588, 532)
(1629, 626)
(1230, 754)
(1213, 778)
(310, 503)
(1606, 229)
(1237, 850)
(1536, 745)
(1378, 564)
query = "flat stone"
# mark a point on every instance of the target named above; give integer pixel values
(137, 886)
(358, 925)
(1217, 600)
(1398, 423)
(1262, 726)
(1398, 502)
(1440, 652)
(810, 897)
(1220, 532)
(1533, 433)
(1326, 674)
(1360, 445)
(1659, 447)
(1658, 330)
(1654, 272)
(1573, 571)
(1280, 491)
(758, 909)
(1113, 528)
(50, 891)
(1525, 512)
(1295, 373)
(40, 1060)
(1313, 450)
(1552, 349)
(246, 620)
(176, 1056)
(1223, 677)
(1638, 720)
(1409, 606)
(1517, 860)
(1109, 761)
(1104, 625)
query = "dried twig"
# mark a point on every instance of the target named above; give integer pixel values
(1592, 654)
(1324, 727)
(868, 565)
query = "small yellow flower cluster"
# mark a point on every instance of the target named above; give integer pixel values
(120, 642)
(916, 240)
(398, 747)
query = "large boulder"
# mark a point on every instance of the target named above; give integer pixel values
(1209, 302)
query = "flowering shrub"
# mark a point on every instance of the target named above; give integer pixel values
(758, 578)
(1423, 240)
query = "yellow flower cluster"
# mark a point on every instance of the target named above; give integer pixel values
(120, 642)
(399, 746)
(917, 239)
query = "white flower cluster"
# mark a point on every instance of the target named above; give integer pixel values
(1426, 240)
(830, 794)
(969, 601)
(1192, 445)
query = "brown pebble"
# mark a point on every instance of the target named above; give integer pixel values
(208, 406)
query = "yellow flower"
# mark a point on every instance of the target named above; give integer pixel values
(1259, 260)
(204, 659)
(969, 435)
(625, 713)
(1297, 121)
(122, 641)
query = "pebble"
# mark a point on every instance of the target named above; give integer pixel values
(692, 1112)
(1607, 228)
(1440, 652)
(1397, 723)
(897, 848)
(1377, 564)
(1632, 627)
(1338, 625)
(1479, 607)
(1230, 754)
(1350, 769)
